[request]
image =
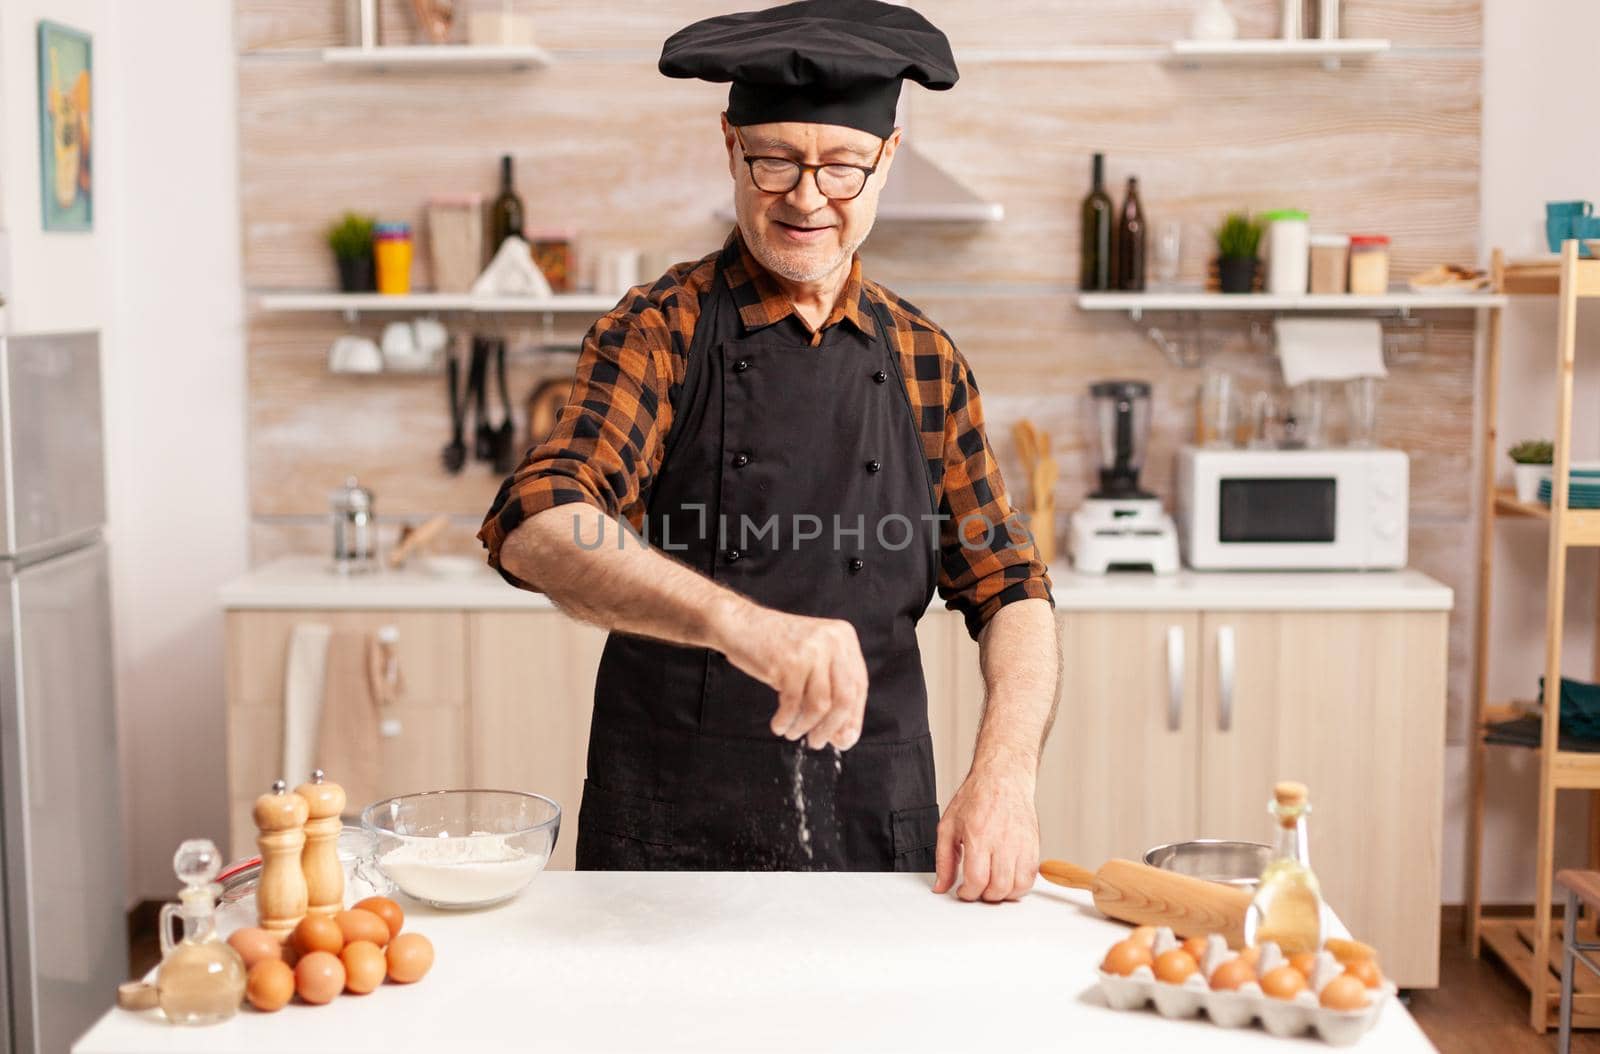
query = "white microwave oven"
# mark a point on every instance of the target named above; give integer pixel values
(1335, 509)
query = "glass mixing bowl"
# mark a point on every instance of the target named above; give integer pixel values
(463, 848)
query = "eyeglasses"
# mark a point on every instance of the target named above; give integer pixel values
(835, 181)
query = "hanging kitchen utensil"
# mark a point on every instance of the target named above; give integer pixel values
(505, 439)
(454, 454)
(544, 406)
(1149, 896)
(478, 385)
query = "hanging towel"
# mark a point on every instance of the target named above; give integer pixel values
(1329, 349)
(303, 679)
(348, 733)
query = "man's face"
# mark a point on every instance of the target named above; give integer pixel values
(803, 235)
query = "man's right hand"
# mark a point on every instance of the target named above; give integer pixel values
(815, 666)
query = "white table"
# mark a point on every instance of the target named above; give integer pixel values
(629, 961)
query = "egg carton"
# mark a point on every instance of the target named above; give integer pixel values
(1240, 1008)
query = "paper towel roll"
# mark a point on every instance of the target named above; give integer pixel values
(1329, 349)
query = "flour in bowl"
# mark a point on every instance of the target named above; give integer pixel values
(459, 872)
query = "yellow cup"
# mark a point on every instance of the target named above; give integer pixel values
(393, 251)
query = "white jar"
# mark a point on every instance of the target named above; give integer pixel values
(1288, 251)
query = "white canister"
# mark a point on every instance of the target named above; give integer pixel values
(1288, 251)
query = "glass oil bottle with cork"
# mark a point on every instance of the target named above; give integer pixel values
(1287, 908)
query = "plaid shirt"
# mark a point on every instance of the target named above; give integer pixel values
(608, 442)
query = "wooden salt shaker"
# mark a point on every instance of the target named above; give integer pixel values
(281, 890)
(319, 860)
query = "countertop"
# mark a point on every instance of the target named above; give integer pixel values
(304, 583)
(684, 961)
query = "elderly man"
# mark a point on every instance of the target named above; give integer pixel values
(767, 467)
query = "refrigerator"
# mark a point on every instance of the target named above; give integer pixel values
(63, 930)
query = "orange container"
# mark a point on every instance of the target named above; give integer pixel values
(393, 250)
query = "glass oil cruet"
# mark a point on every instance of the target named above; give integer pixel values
(201, 979)
(1287, 907)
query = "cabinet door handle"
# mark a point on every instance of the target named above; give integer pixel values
(1175, 662)
(1225, 664)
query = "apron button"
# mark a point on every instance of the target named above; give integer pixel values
(874, 465)
(741, 459)
(732, 555)
(880, 376)
(856, 564)
(741, 365)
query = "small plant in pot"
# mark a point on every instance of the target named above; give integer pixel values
(1532, 457)
(351, 242)
(1238, 240)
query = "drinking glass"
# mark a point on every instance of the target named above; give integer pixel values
(1361, 396)
(1169, 253)
(1218, 410)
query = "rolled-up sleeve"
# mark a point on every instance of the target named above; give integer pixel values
(607, 441)
(987, 558)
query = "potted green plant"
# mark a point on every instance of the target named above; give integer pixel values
(1238, 240)
(1532, 457)
(351, 242)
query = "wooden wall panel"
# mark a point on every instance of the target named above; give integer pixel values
(605, 145)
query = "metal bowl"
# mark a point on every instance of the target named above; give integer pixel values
(1230, 863)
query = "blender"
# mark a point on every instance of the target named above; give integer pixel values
(1121, 527)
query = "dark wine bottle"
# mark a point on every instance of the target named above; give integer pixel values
(1094, 264)
(1130, 241)
(505, 215)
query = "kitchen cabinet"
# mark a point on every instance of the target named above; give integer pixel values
(1174, 725)
(429, 748)
(1353, 705)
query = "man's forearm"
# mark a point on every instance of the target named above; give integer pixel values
(1020, 654)
(596, 570)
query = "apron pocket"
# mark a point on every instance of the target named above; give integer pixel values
(625, 815)
(916, 834)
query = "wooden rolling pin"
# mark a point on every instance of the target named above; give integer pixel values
(1149, 896)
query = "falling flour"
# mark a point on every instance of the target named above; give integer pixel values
(799, 784)
(462, 871)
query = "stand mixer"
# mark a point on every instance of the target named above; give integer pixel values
(1120, 526)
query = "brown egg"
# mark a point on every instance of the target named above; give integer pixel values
(254, 945)
(1283, 983)
(410, 956)
(269, 985)
(1195, 946)
(1174, 966)
(388, 911)
(319, 977)
(1126, 957)
(318, 933)
(1366, 971)
(364, 966)
(1345, 992)
(1251, 955)
(1305, 962)
(1231, 974)
(362, 925)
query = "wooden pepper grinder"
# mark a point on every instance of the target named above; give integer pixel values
(320, 859)
(281, 891)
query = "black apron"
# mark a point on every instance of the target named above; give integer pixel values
(774, 441)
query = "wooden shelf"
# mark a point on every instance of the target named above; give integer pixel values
(1542, 277)
(1328, 52)
(1506, 503)
(1197, 300)
(425, 57)
(1511, 940)
(1583, 525)
(351, 304)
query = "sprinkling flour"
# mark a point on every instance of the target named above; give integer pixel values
(804, 826)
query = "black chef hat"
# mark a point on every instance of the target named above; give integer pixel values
(817, 61)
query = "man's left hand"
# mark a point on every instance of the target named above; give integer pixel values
(992, 830)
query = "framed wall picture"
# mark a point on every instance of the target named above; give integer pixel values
(66, 123)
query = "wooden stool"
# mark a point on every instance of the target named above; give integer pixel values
(1580, 886)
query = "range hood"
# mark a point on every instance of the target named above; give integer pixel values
(919, 191)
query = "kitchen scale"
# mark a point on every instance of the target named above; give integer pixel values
(1121, 527)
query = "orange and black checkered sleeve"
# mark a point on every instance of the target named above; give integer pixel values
(987, 558)
(607, 441)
